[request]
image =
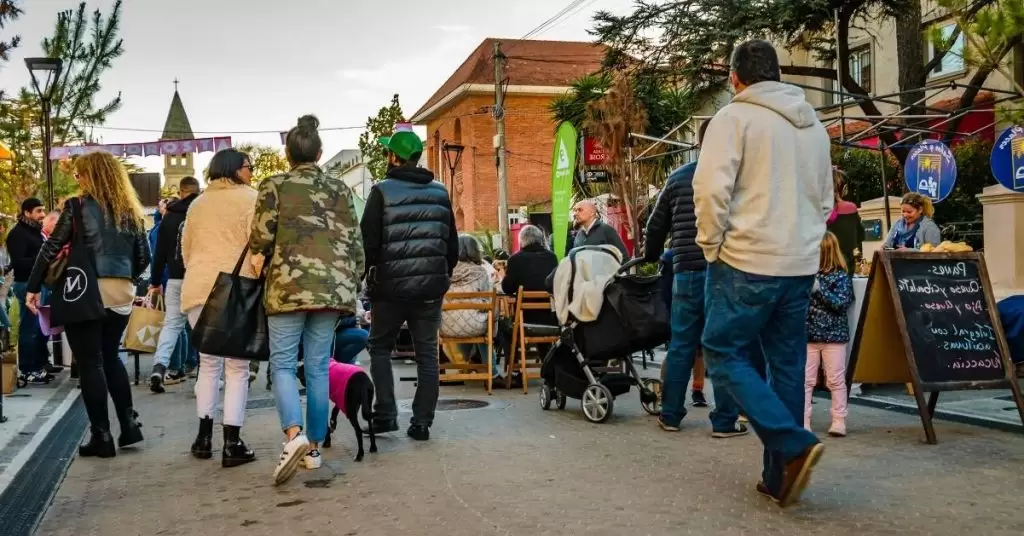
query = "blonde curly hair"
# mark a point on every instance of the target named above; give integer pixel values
(103, 177)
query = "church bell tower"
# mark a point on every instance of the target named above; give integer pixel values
(177, 127)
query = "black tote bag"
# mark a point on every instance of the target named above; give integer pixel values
(233, 322)
(76, 293)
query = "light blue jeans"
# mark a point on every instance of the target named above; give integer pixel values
(174, 326)
(316, 332)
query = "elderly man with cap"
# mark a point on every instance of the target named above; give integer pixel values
(411, 247)
(23, 244)
(593, 231)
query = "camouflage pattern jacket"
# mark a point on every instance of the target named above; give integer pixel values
(307, 229)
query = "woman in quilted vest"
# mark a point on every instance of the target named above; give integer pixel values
(469, 276)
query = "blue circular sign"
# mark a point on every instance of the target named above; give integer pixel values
(1007, 159)
(931, 170)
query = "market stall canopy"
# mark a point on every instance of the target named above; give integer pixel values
(360, 206)
(6, 153)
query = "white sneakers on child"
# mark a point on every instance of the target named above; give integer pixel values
(293, 453)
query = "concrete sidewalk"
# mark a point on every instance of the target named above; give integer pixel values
(511, 468)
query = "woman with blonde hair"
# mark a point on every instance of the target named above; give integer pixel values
(828, 332)
(113, 231)
(916, 228)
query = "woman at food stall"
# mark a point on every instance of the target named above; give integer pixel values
(916, 228)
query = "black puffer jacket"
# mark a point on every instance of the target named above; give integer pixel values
(409, 237)
(122, 254)
(673, 213)
(167, 243)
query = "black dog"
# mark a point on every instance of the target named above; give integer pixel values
(358, 400)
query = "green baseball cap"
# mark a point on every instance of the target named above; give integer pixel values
(403, 144)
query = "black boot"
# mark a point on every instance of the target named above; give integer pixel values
(131, 430)
(202, 447)
(100, 444)
(235, 451)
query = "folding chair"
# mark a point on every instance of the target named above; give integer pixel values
(524, 334)
(471, 301)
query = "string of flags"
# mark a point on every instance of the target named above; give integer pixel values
(153, 148)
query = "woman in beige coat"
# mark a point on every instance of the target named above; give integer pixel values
(215, 232)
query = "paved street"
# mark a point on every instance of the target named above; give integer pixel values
(511, 468)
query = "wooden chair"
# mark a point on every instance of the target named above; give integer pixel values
(471, 301)
(523, 334)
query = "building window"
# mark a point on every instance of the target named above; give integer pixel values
(859, 69)
(953, 61)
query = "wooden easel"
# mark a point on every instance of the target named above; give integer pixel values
(883, 352)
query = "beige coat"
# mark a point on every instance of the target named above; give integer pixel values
(215, 234)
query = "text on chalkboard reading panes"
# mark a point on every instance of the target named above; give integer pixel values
(948, 322)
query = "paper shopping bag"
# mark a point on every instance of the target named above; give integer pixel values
(144, 327)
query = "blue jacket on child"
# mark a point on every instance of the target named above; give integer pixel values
(830, 300)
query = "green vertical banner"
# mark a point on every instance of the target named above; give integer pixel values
(563, 166)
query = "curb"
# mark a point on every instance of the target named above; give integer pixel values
(906, 409)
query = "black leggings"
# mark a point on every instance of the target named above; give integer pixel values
(95, 346)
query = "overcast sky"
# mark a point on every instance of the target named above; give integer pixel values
(247, 68)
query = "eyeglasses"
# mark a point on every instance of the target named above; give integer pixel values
(247, 166)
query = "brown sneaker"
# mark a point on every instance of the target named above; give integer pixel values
(797, 473)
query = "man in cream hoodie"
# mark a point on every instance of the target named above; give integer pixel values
(762, 191)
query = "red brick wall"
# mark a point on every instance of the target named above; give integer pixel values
(529, 140)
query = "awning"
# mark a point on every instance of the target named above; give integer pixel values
(360, 206)
(6, 153)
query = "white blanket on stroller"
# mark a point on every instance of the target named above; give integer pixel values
(595, 267)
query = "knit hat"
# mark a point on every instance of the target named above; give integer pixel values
(30, 204)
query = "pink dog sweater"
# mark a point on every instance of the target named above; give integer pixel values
(339, 374)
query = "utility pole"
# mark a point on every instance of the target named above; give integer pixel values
(499, 144)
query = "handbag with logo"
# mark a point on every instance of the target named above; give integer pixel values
(76, 294)
(233, 322)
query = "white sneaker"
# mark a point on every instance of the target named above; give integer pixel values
(292, 454)
(312, 459)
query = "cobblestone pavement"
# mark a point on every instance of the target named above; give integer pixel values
(513, 469)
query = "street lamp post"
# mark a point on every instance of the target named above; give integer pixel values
(47, 69)
(452, 157)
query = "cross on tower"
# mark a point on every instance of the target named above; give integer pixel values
(176, 84)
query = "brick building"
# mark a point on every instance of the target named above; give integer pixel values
(459, 112)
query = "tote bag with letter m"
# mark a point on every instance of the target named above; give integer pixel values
(233, 322)
(76, 294)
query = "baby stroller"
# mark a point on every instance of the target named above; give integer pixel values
(631, 317)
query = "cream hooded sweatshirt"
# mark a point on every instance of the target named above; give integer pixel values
(763, 185)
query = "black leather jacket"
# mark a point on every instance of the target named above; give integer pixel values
(122, 254)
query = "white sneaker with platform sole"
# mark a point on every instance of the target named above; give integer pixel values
(292, 454)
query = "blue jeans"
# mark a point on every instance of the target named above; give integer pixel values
(185, 355)
(33, 354)
(348, 342)
(169, 348)
(316, 331)
(742, 308)
(687, 326)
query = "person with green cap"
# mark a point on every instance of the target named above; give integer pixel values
(411, 246)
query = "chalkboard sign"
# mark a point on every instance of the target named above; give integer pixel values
(947, 318)
(929, 321)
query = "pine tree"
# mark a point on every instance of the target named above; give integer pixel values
(383, 124)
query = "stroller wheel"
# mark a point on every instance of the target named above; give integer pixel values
(597, 403)
(545, 398)
(560, 399)
(650, 395)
